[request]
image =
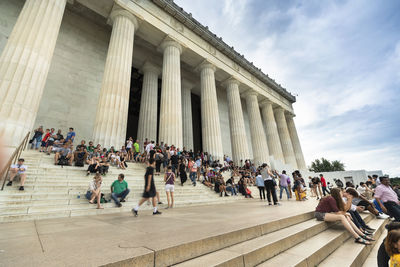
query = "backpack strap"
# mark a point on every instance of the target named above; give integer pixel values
(169, 177)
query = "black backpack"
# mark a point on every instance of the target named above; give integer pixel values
(79, 160)
(63, 161)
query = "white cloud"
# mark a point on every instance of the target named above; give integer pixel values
(340, 57)
(234, 10)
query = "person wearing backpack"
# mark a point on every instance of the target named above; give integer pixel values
(169, 179)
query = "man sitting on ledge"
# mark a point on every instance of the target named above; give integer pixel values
(119, 189)
(387, 198)
(18, 170)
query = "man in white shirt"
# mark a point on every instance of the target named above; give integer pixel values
(18, 170)
(149, 147)
(269, 184)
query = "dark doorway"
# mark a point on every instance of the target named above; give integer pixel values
(135, 97)
(134, 103)
(196, 121)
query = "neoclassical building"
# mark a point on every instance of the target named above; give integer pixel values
(142, 68)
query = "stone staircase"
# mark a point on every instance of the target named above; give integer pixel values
(298, 240)
(53, 191)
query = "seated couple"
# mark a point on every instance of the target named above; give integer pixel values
(119, 190)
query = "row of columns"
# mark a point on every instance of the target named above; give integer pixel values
(25, 62)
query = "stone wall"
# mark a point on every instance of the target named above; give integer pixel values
(74, 80)
(9, 12)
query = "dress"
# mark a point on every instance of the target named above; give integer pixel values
(152, 192)
(182, 173)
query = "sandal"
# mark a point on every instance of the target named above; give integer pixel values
(362, 241)
(368, 238)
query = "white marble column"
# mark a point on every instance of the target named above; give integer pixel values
(298, 153)
(147, 127)
(287, 147)
(187, 116)
(274, 144)
(112, 109)
(258, 139)
(211, 129)
(24, 65)
(171, 100)
(240, 149)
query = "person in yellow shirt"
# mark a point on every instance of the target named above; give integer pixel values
(392, 246)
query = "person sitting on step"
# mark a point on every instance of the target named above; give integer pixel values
(122, 163)
(50, 141)
(64, 154)
(382, 255)
(57, 145)
(94, 166)
(230, 186)
(387, 198)
(104, 166)
(364, 204)
(18, 169)
(93, 156)
(392, 247)
(94, 191)
(119, 189)
(332, 208)
(352, 209)
(80, 156)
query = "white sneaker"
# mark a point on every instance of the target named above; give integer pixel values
(382, 216)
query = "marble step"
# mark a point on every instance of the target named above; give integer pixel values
(83, 204)
(315, 249)
(82, 199)
(257, 250)
(352, 254)
(56, 202)
(371, 260)
(91, 210)
(193, 249)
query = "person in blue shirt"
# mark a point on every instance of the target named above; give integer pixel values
(70, 135)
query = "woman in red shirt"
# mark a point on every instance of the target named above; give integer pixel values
(331, 209)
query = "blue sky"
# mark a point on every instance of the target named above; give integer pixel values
(342, 60)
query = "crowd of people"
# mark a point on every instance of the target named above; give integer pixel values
(341, 203)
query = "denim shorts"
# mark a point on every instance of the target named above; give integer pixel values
(319, 215)
(89, 195)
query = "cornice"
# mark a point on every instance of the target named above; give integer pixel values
(186, 19)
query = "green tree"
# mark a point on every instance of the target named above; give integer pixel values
(324, 165)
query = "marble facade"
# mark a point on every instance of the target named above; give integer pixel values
(244, 113)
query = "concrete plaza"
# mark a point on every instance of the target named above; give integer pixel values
(103, 239)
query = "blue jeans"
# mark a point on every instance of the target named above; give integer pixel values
(88, 195)
(192, 177)
(165, 163)
(121, 195)
(377, 206)
(38, 142)
(287, 192)
(232, 190)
